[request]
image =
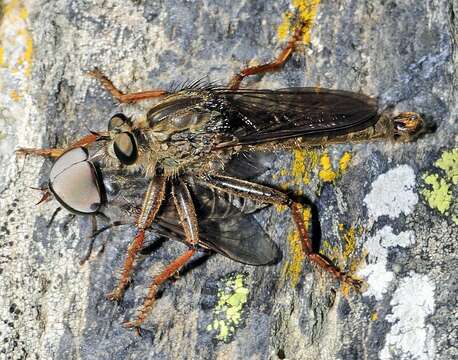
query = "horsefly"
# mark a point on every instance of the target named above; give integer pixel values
(193, 157)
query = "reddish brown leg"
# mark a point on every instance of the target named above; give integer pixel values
(49, 152)
(56, 152)
(173, 267)
(268, 195)
(188, 219)
(151, 203)
(186, 211)
(236, 80)
(120, 96)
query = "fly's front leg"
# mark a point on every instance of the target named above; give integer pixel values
(168, 272)
(56, 152)
(188, 219)
(275, 65)
(46, 152)
(120, 96)
(151, 203)
(268, 195)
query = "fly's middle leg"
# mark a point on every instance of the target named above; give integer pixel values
(268, 195)
(119, 95)
(275, 65)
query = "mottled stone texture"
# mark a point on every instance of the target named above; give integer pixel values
(402, 52)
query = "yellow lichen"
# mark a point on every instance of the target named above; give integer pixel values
(305, 11)
(14, 95)
(344, 161)
(374, 316)
(292, 268)
(327, 174)
(303, 162)
(349, 238)
(283, 28)
(17, 44)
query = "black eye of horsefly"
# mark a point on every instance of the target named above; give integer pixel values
(125, 148)
(75, 182)
(117, 121)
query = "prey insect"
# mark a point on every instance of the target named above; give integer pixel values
(193, 156)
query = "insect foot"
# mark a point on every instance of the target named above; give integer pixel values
(358, 285)
(115, 295)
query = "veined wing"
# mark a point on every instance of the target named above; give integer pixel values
(259, 116)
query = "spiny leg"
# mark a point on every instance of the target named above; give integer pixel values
(236, 80)
(188, 219)
(151, 203)
(47, 152)
(268, 195)
(120, 96)
(56, 152)
(168, 272)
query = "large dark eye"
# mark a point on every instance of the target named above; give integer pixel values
(117, 121)
(125, 148)
(75, 182)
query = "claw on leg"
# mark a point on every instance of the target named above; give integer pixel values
(150, 299)
(118, 292)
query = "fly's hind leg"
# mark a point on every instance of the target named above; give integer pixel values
(275, 65)
(268, 195)
(119, 95)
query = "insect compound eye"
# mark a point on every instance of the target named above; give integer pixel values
(125, 148)
(117, 121)
(75, 183)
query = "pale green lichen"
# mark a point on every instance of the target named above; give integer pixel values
(441, 191)
(228, 312)
(439, 196)
(449, 163)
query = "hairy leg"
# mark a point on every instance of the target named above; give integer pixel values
(268, 195)
(188, 219)
(275, 65)
(120, 96)
(151, 204)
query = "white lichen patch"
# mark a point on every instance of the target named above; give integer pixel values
(375, 272)
(410, 337)
(392, 193)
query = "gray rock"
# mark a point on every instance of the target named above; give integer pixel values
(393, 214)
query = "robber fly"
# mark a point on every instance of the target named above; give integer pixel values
(193, 156)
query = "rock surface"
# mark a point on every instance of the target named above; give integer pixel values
(387, 211)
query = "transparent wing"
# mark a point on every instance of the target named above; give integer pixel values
(226, 225)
